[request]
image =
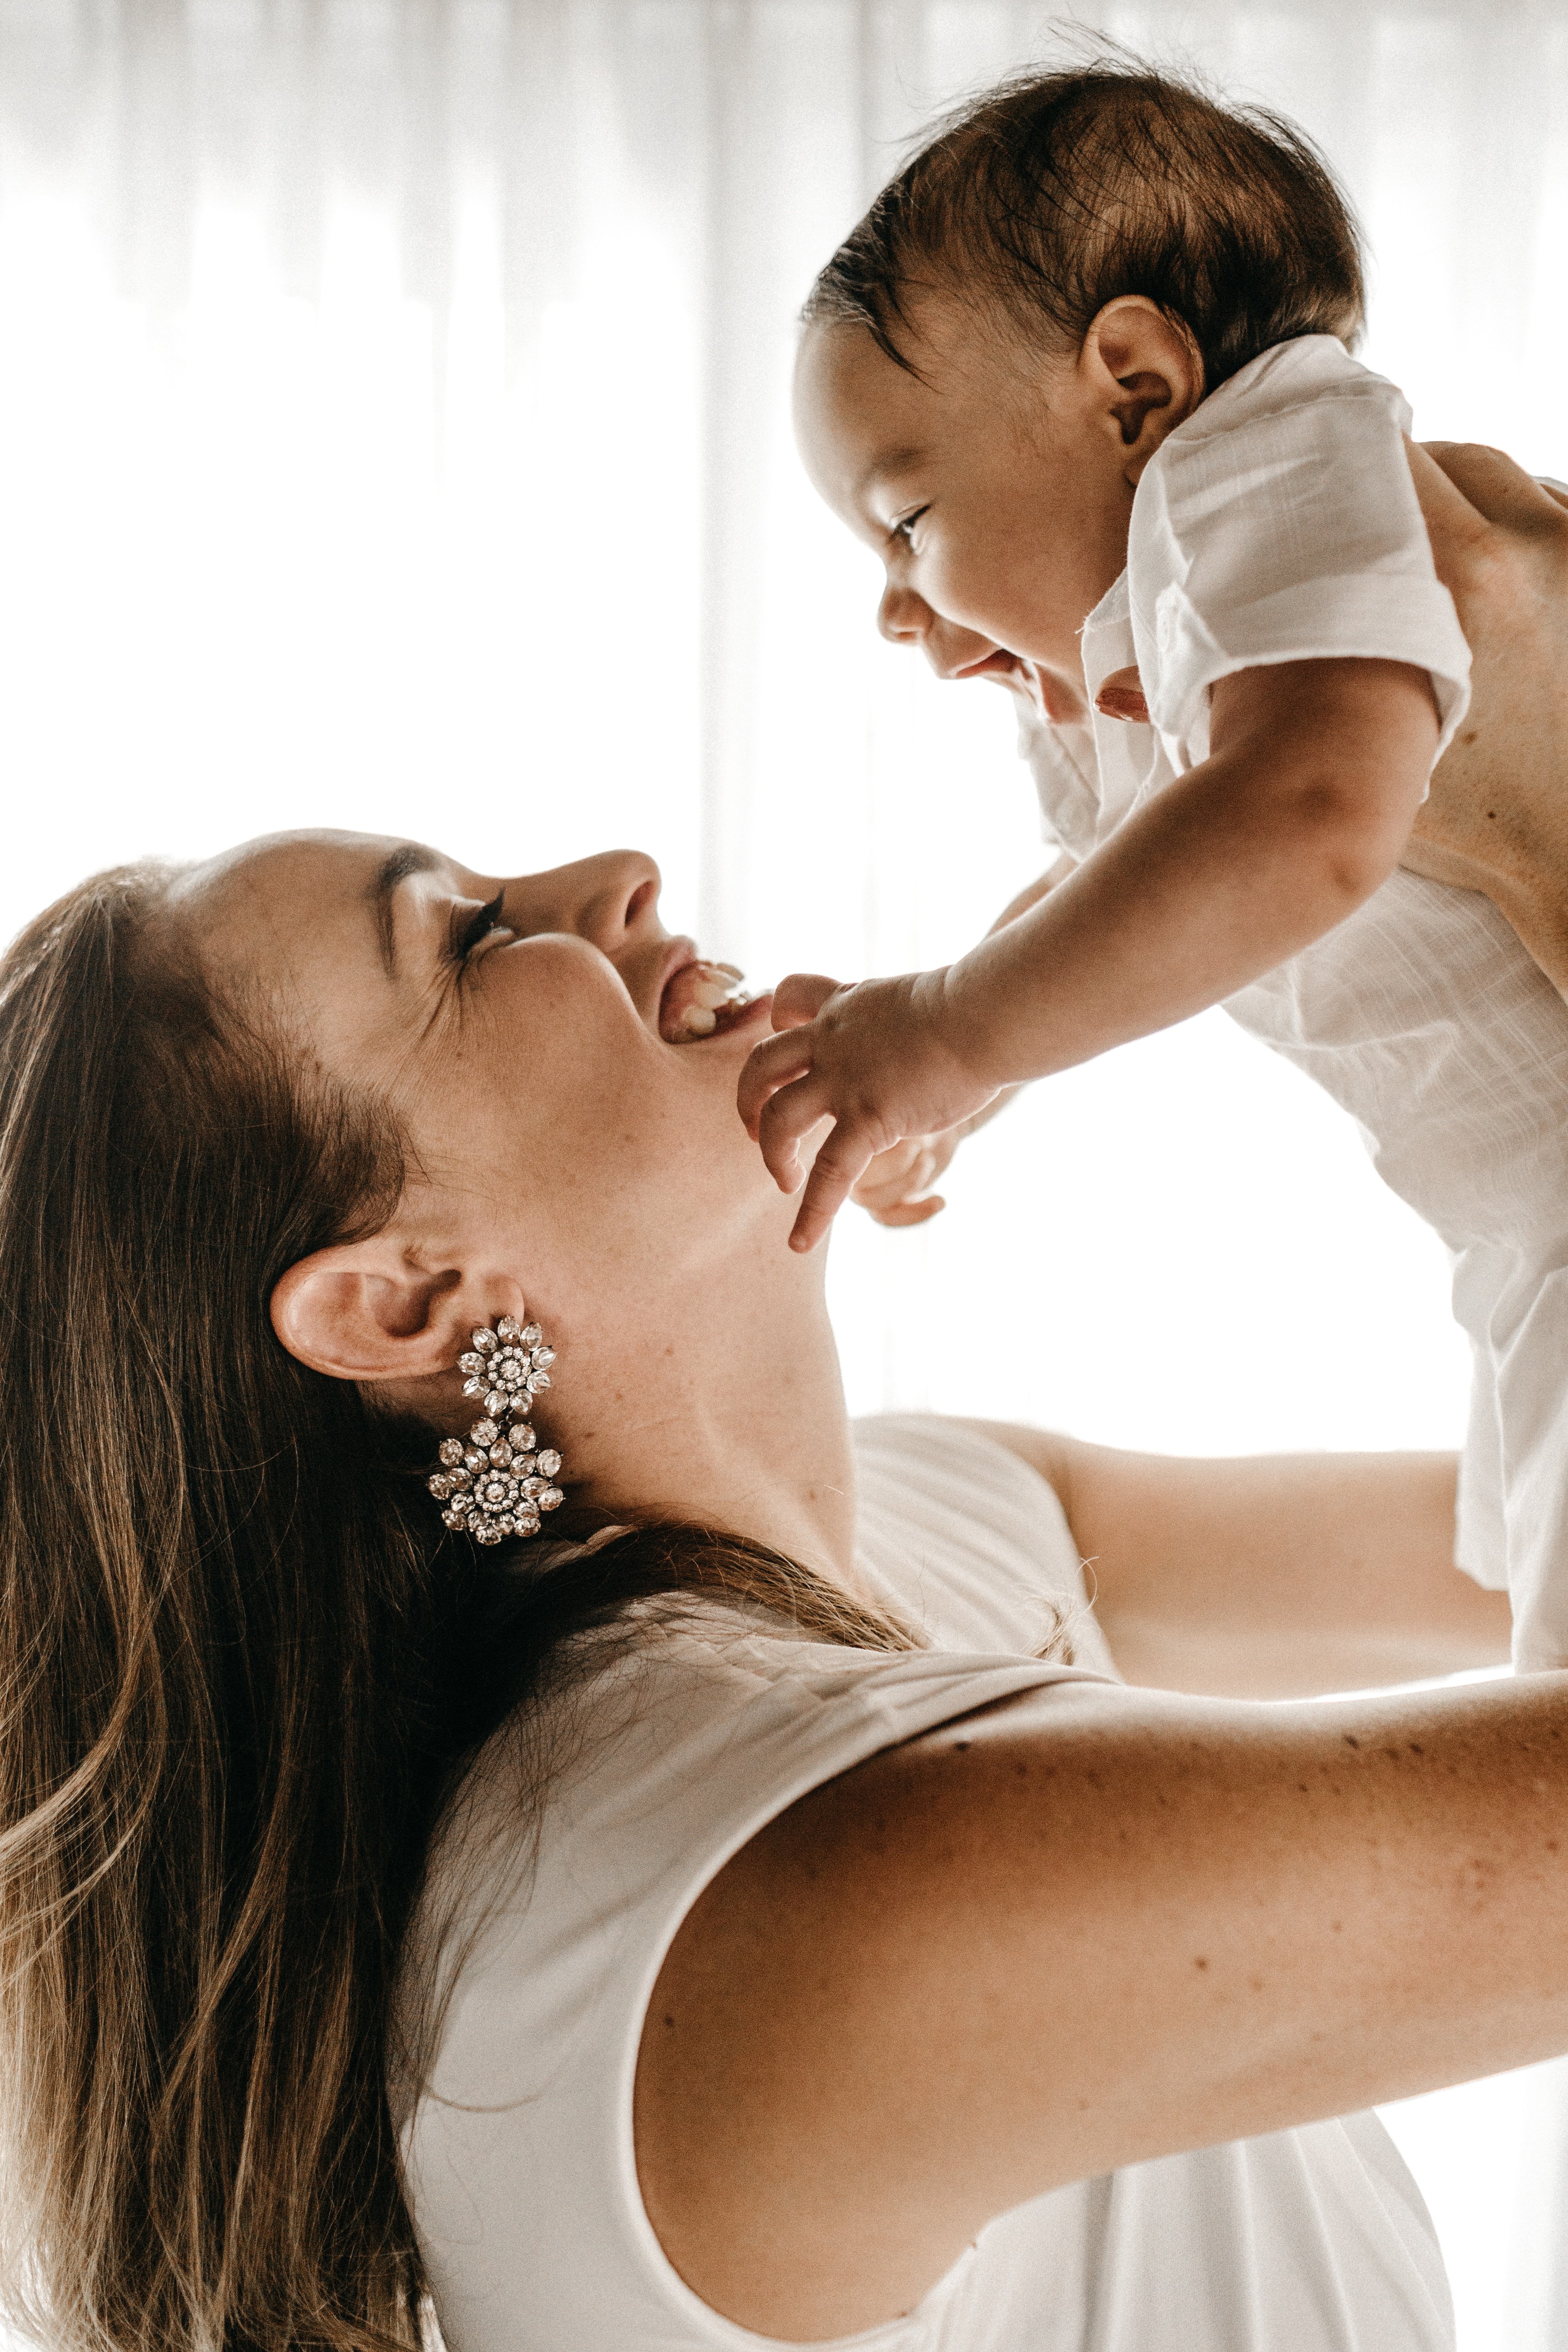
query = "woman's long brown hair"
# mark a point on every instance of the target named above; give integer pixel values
(241, 1668)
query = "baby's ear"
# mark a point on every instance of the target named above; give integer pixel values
(1147, 370)
(368, 1311)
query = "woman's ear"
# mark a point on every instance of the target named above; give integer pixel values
(1145, 372)
(365, 1311)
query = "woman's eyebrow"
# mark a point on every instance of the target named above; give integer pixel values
(407, 859)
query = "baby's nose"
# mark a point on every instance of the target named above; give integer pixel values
(902, 616)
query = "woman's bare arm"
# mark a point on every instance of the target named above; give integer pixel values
(1088, 1928)
(1270, 1576)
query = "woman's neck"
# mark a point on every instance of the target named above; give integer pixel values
(736, 1419)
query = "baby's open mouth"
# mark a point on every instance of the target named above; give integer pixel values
(700, 999)
(1000, 664)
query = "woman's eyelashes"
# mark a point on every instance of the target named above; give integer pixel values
(472, 933)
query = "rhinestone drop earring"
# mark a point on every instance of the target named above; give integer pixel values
(496, 1481)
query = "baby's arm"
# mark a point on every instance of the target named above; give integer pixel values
(1301, 810)
(896, 1187)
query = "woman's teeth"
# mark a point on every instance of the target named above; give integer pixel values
(698, 998)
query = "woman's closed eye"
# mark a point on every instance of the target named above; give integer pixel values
(471, 934)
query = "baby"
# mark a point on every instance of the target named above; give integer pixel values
(1081, 378)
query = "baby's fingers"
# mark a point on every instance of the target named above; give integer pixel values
(800, 997)
(840, 1163)
(909, 1213)
(901, 1173)
(785, 1119)
(776, 1062)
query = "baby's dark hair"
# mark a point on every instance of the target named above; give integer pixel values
(1055, 193)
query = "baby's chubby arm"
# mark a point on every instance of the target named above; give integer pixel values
(1302, 809)
(896, 1188)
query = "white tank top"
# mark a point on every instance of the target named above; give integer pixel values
(552, 1925)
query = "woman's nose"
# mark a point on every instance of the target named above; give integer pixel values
(611, 899)
(903, 616)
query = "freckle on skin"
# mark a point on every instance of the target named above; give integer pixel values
(1350, 1741)
(1199, 1962)
(1416, 1749)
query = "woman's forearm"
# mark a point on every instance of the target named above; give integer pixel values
(1497, 820)
(1473, 836)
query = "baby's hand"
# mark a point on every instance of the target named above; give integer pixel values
(875, 1059)
(896, 1186)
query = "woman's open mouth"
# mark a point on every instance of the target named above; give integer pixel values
(702, 1000)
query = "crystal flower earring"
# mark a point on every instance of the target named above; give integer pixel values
(497, 1480)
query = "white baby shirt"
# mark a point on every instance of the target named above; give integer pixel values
(519, 2154)
(1279, 524)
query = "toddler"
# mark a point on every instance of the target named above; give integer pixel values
(1081, 378)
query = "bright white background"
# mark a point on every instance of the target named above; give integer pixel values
(393, 433)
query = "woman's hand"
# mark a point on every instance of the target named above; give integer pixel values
(1498, 817)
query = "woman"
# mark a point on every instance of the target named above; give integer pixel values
(800, 1931)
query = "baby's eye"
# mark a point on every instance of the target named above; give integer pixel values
(905, 525)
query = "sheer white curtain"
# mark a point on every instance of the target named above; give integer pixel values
(394, 433)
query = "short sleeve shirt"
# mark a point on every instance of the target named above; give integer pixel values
(1279, 523)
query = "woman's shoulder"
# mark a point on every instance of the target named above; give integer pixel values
(654, 1755)
(663, 1742)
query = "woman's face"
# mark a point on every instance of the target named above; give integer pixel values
(528, 1032)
